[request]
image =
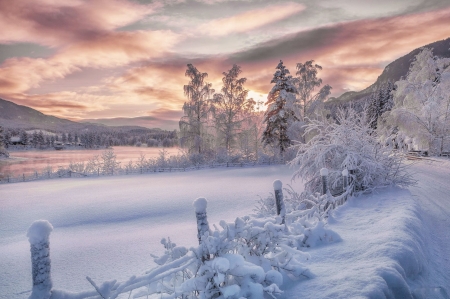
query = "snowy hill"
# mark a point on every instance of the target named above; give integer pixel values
(394, 71)
(23, 117)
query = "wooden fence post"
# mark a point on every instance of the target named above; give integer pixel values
(200, 205)
(281, 210)
(38, 236)
(324, 176)
(345, 179)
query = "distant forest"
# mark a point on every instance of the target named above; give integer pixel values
(42, 139)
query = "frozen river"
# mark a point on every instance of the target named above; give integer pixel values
(36, 160)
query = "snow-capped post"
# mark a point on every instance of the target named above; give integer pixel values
(345, 179)
(38, 236)
(281, 210)
(324, 175)
(202, 221)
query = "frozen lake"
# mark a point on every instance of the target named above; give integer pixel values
(107, 227)
(36, 160)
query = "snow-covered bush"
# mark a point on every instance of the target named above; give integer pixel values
(349, 143)
(247, 258)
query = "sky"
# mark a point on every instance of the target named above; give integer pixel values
(87, 59)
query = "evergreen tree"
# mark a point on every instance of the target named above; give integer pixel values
(24, 137)
(41, 139)
(280, 110)
(380, 101)
(2, 137)
(64, 137)
(3, 152)
(7, 138)
(35, 139)
(69, 138)
(193, 127)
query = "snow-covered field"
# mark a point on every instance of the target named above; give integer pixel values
(394, 242)
(107, 227)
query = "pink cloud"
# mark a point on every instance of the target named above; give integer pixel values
(251, 20)
(55, 23)
(106, 51)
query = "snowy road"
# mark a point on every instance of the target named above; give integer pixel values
(433, 196)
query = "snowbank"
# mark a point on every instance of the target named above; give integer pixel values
(380, 256)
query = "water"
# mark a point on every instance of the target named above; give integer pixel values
(29, 161)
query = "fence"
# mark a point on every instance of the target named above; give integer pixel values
(67, 173)
(39, 232)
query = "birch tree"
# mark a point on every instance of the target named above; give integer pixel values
(306, 82)
(230, 107)
(193, 125)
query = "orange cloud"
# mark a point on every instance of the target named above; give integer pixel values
(251, 20)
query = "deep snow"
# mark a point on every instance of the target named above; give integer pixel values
(394, 242)
(107, 227)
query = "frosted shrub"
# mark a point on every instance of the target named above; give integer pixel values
(77, 167)
(349, 143)
(247, 258)
(108, 163)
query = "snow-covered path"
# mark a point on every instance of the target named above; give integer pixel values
(433, 196)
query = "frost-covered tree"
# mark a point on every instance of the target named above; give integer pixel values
(348, 143)
(193, 125)
(422, 101)
(6, 138)
(3, 152)
(306, 82)
(380, 101)
(24, 137)
(109, 163)
(41, 139)
(280, 110)
(35, 139)
(230, 107)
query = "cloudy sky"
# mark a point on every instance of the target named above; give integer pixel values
(84, 59)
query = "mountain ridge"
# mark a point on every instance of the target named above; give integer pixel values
(16, 116)
(393, 72)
